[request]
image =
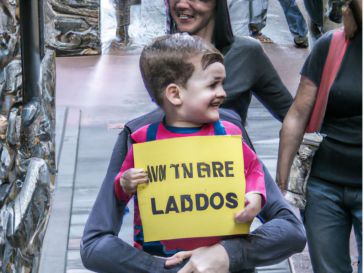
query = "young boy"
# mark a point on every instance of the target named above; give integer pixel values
(184, 75)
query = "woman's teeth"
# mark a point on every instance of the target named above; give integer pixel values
(184, 16)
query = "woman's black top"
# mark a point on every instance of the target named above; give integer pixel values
(339, 158)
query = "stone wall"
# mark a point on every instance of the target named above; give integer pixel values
(27, 160)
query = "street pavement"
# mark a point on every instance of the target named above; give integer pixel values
(95, 96)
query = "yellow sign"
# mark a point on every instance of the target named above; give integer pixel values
(196, 184)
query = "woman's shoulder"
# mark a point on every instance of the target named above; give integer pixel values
(244, 43)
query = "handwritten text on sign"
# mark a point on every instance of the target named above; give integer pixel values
(196, 184)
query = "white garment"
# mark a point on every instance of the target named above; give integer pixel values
(239, 16)
(147, 21)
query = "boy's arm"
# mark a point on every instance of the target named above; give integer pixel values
(254, 175)
(127, 180)
(255, 196)
(127, 164)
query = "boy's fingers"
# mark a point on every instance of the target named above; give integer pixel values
(137, 171)
(133, 172)
(136, 182)
(139, 176)
(131, 187)
(141, 172)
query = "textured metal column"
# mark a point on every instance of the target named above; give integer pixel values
(27, 161)
(30, 48)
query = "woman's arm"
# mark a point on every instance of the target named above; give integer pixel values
(280, 236)
(101, 249)
(293, 129)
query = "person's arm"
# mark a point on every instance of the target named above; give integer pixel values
(268, 87)
(254, 175)
(281, 236)
(295, 122)
(293, 129)
(101, 249)
(255, 195)
(127, 180)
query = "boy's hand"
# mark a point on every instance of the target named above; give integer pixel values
(253, 205)
(131, 178)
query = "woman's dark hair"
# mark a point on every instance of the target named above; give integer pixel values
(223, 34)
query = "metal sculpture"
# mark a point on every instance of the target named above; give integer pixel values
(72, 27)
(27, 161)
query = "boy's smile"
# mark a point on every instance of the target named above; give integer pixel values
(202, 95)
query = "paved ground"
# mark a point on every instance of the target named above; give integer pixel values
(97, 94)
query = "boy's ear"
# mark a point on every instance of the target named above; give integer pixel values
(173, 94)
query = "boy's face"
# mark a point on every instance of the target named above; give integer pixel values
(203, 94)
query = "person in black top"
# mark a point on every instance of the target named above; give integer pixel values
(334, 189)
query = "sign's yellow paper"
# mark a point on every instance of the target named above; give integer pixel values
(196, 184)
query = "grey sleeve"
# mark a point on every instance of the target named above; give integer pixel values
(101, 249)
(279, 237)
(268, 87)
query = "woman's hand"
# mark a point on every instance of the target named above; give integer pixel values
(131, 178)
(212, 259)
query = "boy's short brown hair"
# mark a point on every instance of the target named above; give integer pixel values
(168, 60)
